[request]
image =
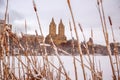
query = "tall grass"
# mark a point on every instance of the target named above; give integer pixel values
(79, 48)
(106, 35)
(33, 69)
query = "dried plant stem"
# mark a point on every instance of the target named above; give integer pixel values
(86, 46)
(59, 73)
(3, 40)
(74, 62)
(75, 59)
(19, 67)
(23, 71)
(43, 47)
(39, 24)
(93, 53)
(103, 14)
(56, 53)
(56, 67)
(13, 61)
(103, 22)
(75, 67)
(115, 47)
(79, 48)
(35, 9)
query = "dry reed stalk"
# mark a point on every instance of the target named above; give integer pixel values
(86, 46)
(103, 15)
(35, 9)
(73, 46)
(25, 53)
(59, 73)
(23, 64)
(98, 72)
(115, 47)
(100, 69)
(4, 47)
(4, 60)
(28, 72)
(23, 71)
(8, 46)
(19, 67)
(2, 57)
(4, 40)
(103, 22)
(8, 73)
(44, 48)
(56, 53)
(75, 68)
(34, 60)
(29, 61)
(38, 19)
(44, 56)
(86, 66)
(14, 77)
(101, 19)
(57, 68)
(110, 21)
(32, 65)
(79, 48)
(48, 68)
(39, 45)
(93, 48)
(31, 72)
(13, 61)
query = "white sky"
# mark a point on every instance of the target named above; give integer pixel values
(84, 11)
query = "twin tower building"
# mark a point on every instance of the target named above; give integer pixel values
(57, 38)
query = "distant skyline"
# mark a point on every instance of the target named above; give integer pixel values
(85, 13)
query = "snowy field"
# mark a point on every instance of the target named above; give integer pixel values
(68, 63)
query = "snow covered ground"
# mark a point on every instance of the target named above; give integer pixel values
(68, 63)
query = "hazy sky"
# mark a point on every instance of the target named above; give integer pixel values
(85, 12)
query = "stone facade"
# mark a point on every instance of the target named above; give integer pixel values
(57, 38)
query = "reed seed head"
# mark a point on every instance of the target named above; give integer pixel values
(80, 27)
(110, 21)
(68, 1)
(34, 5)
(97, 2)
